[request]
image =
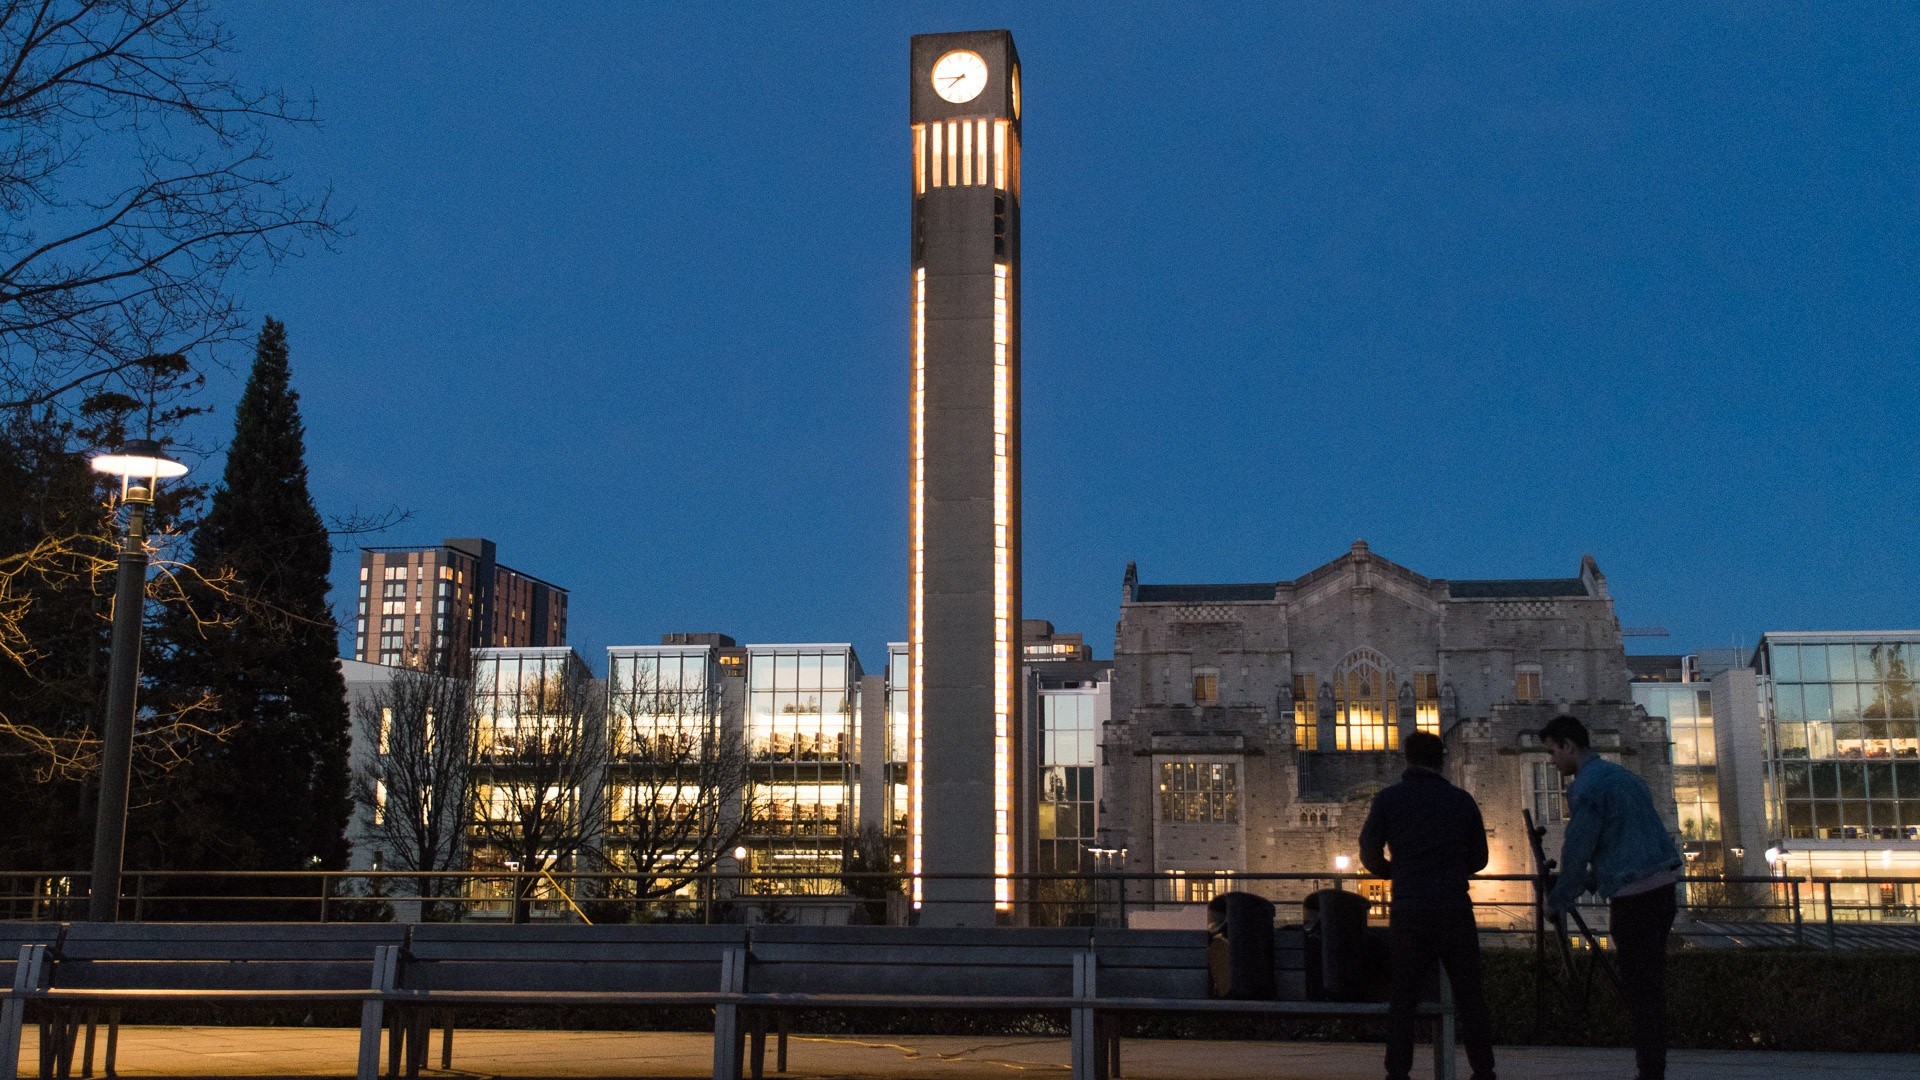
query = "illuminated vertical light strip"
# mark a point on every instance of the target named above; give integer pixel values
(1000, 154)
(953, 152)
(1002, 604)
(980, 151)
(917, 633)
(919, 159)
(966, 155)
(936, 154)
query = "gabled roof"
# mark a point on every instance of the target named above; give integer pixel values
(1501, 589)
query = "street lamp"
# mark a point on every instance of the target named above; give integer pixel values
(141, 466)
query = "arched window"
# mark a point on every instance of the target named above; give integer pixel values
(1365, 705)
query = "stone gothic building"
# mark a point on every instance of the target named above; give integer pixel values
(1252, 724)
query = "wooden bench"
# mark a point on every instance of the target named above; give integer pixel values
(747, 974)
(103, 965)
(1161, 971)
(897, 969)
(450, 964)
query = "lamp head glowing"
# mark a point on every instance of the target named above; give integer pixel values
(1341, 862)
(1773, 855)
(140, 465)
(740, 854)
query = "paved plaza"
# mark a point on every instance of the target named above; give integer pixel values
(250, 1052)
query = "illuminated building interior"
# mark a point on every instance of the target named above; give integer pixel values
(801, 744)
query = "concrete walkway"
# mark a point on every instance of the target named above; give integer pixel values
(261, 1052)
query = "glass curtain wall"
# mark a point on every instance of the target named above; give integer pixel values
(1688, 711)
(526, 711)
(1065, 814)
(801, 743)
(899, 740)
(1842, 719)
(663, 706)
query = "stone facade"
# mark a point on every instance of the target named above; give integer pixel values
(1206, 676)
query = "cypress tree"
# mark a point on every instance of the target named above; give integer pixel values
(273, 793)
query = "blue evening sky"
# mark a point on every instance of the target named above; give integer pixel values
(1488, 285)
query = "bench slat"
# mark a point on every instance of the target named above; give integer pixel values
(570, 952)
(190, 975)
(913, 953)
(926, 979)
(1010, 936)
(546, 977)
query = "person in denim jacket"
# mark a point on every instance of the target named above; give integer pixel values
(1617, 845)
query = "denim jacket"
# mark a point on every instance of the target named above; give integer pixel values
(1615, 836)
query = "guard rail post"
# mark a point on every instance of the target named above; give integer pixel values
(1827, 890)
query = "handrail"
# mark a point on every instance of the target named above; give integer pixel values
(1728, 907)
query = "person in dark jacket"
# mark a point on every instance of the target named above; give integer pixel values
(1425, 835)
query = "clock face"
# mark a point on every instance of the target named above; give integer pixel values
(1016, 93)
(959, 76)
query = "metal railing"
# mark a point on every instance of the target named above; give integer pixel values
(1823, 912)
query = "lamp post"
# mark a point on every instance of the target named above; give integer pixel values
(141, 466)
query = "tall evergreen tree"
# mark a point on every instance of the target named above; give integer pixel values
(274, 794)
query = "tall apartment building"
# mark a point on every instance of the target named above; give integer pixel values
(1039, 642)
(428, 607)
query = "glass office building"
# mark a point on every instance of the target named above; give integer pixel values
(1065, 805)
(899, 757)
(802, 745)
(667, 766)
(1688, 710)
(1844, 753)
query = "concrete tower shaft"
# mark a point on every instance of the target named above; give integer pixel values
(964, 618)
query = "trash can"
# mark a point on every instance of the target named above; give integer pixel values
(1343, 962)
(1240, 946)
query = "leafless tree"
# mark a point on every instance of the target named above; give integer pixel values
(870, 870)
(416, 776)
(136, 176)
(539, 796)
(677, 785)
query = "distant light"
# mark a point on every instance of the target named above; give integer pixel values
(1886, 858)
(1341, 862)
(1739, 852)
(740, 854)
(1773, 855)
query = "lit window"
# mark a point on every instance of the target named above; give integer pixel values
(1426, 694)
(919, 159)
(1306, 713)
(1206, 687)
(1526, 683)
(966, 154)
(1549, 792)
(1203, 792)
(1365, 708)
(938, 157)
(1000, 154)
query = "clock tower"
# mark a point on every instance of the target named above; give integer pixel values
(964, 603)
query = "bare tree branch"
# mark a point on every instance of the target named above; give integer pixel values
(135, 178)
